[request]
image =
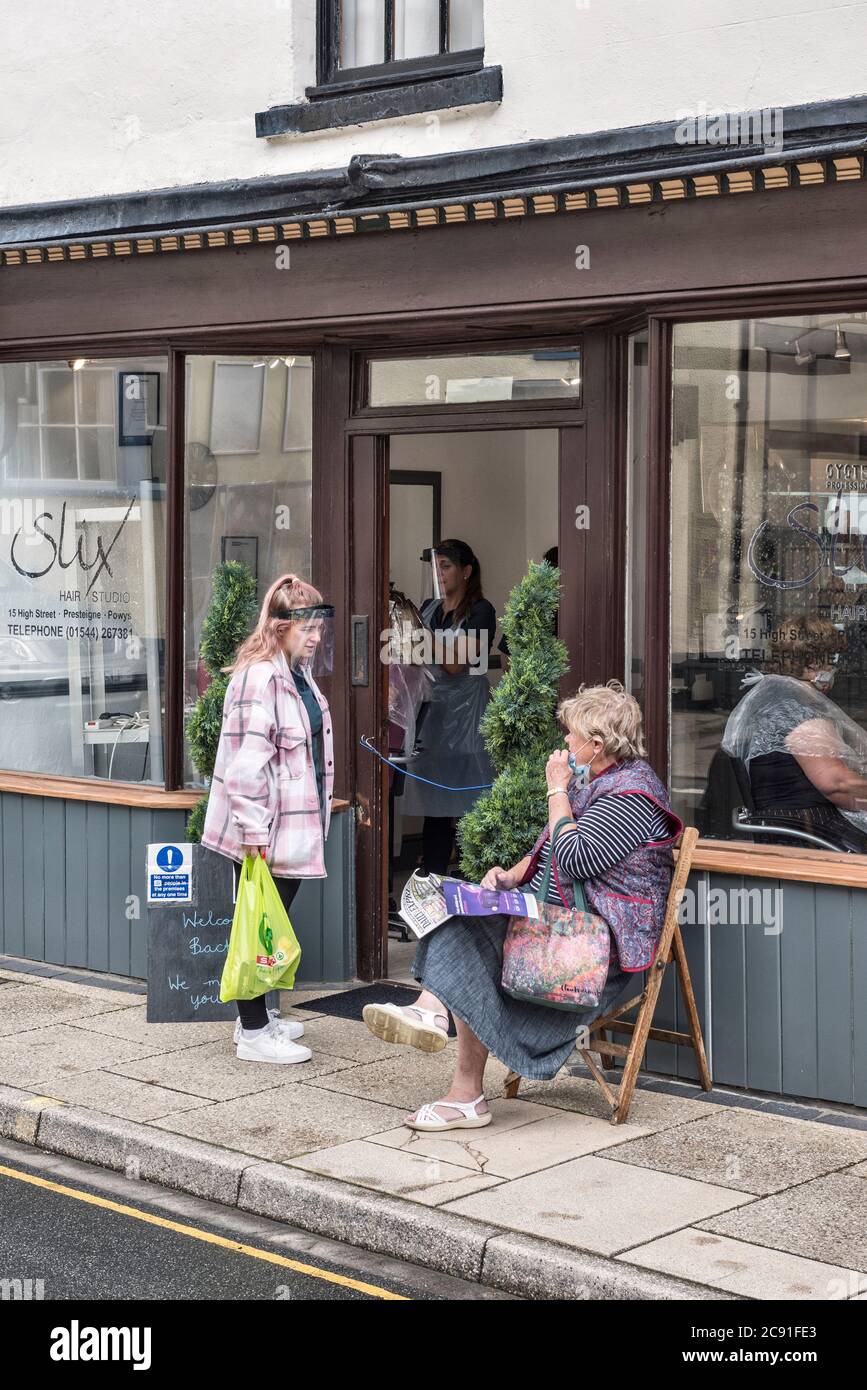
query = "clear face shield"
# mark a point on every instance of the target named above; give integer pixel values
(307, 636)
(441, 571)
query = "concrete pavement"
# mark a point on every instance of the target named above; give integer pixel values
(728, 1196)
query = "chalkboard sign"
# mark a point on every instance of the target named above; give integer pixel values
(187, 945)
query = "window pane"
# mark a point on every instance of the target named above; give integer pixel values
(466, 25)
(416, 28)
(248, 484)
(362, 33)
(540, 375)
(769, 577)
(82, 569)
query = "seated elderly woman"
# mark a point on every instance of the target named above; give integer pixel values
(618, 843)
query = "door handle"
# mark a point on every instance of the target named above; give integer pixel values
(359, 658)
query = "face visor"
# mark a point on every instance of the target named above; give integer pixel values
(439, 563)
(307, 637)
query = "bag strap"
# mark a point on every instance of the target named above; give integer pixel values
(578, 894)
(549, 867)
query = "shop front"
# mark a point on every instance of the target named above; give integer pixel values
(661, 375)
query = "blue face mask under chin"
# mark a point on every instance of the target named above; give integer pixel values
(581, 770)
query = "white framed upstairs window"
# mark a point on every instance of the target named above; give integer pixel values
(365, 43)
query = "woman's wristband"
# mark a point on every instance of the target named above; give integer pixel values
(557, 791)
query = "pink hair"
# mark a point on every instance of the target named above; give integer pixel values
(285, 593)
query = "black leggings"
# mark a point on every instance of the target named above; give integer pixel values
(437, 838)
(254, 1012)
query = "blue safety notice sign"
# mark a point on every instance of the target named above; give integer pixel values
(170, 873)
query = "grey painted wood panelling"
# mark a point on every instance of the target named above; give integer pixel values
(783, 1004)
(783, 1011)
(74, 887)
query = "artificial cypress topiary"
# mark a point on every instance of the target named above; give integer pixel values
(229, 619)
(520, 729)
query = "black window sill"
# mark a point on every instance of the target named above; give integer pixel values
(387, 103)
(399, 73)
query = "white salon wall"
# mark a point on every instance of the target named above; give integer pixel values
(499, 493)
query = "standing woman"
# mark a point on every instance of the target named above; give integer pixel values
(272, 785)
(449, 748)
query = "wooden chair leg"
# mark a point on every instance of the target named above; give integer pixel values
(643, 1023)
(513, 1082)
(606, 1058)
(610, 1096)
(691, 1010)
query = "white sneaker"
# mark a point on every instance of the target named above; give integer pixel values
(286, 1025)
(271, 1045)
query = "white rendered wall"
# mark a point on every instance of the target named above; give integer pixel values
(99, 99)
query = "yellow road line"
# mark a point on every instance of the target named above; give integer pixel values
(268, 1255)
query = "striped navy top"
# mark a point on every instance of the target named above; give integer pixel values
(607, 831)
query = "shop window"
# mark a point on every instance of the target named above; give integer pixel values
(82, 567)
(248, 483)
(769, 580)
(546, 374)
(371, 42)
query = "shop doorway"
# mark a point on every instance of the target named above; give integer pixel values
(511, 494)
(516, 452)
(493, 494)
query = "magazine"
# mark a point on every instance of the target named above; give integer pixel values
(422, 904)
(427, 902)
(471, 900)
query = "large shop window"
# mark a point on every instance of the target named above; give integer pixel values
(248, 462)
(769, 580)
(82, 567)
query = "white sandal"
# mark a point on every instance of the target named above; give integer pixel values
(389, 1023)
(427, 1118)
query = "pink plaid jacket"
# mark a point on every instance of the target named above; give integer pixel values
(263, 791)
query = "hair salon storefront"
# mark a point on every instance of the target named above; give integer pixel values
(237, 373)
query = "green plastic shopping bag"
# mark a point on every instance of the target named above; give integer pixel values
(263, 949)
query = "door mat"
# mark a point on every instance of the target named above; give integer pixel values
(349, 1003)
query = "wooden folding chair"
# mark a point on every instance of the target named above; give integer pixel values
(640, 1029)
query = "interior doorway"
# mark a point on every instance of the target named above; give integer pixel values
(489, 498)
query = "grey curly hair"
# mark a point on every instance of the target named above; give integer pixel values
(608, 712)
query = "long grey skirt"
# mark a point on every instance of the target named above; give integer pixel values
(462, 964)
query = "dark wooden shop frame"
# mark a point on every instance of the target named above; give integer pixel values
(600, 420)
(591, 472)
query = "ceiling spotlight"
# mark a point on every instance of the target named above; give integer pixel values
(274, 361)
(841, 348)
(77, 363)
(803, 356)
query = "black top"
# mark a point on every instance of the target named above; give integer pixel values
(777, 781)
(481, 617)
(314, 714)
